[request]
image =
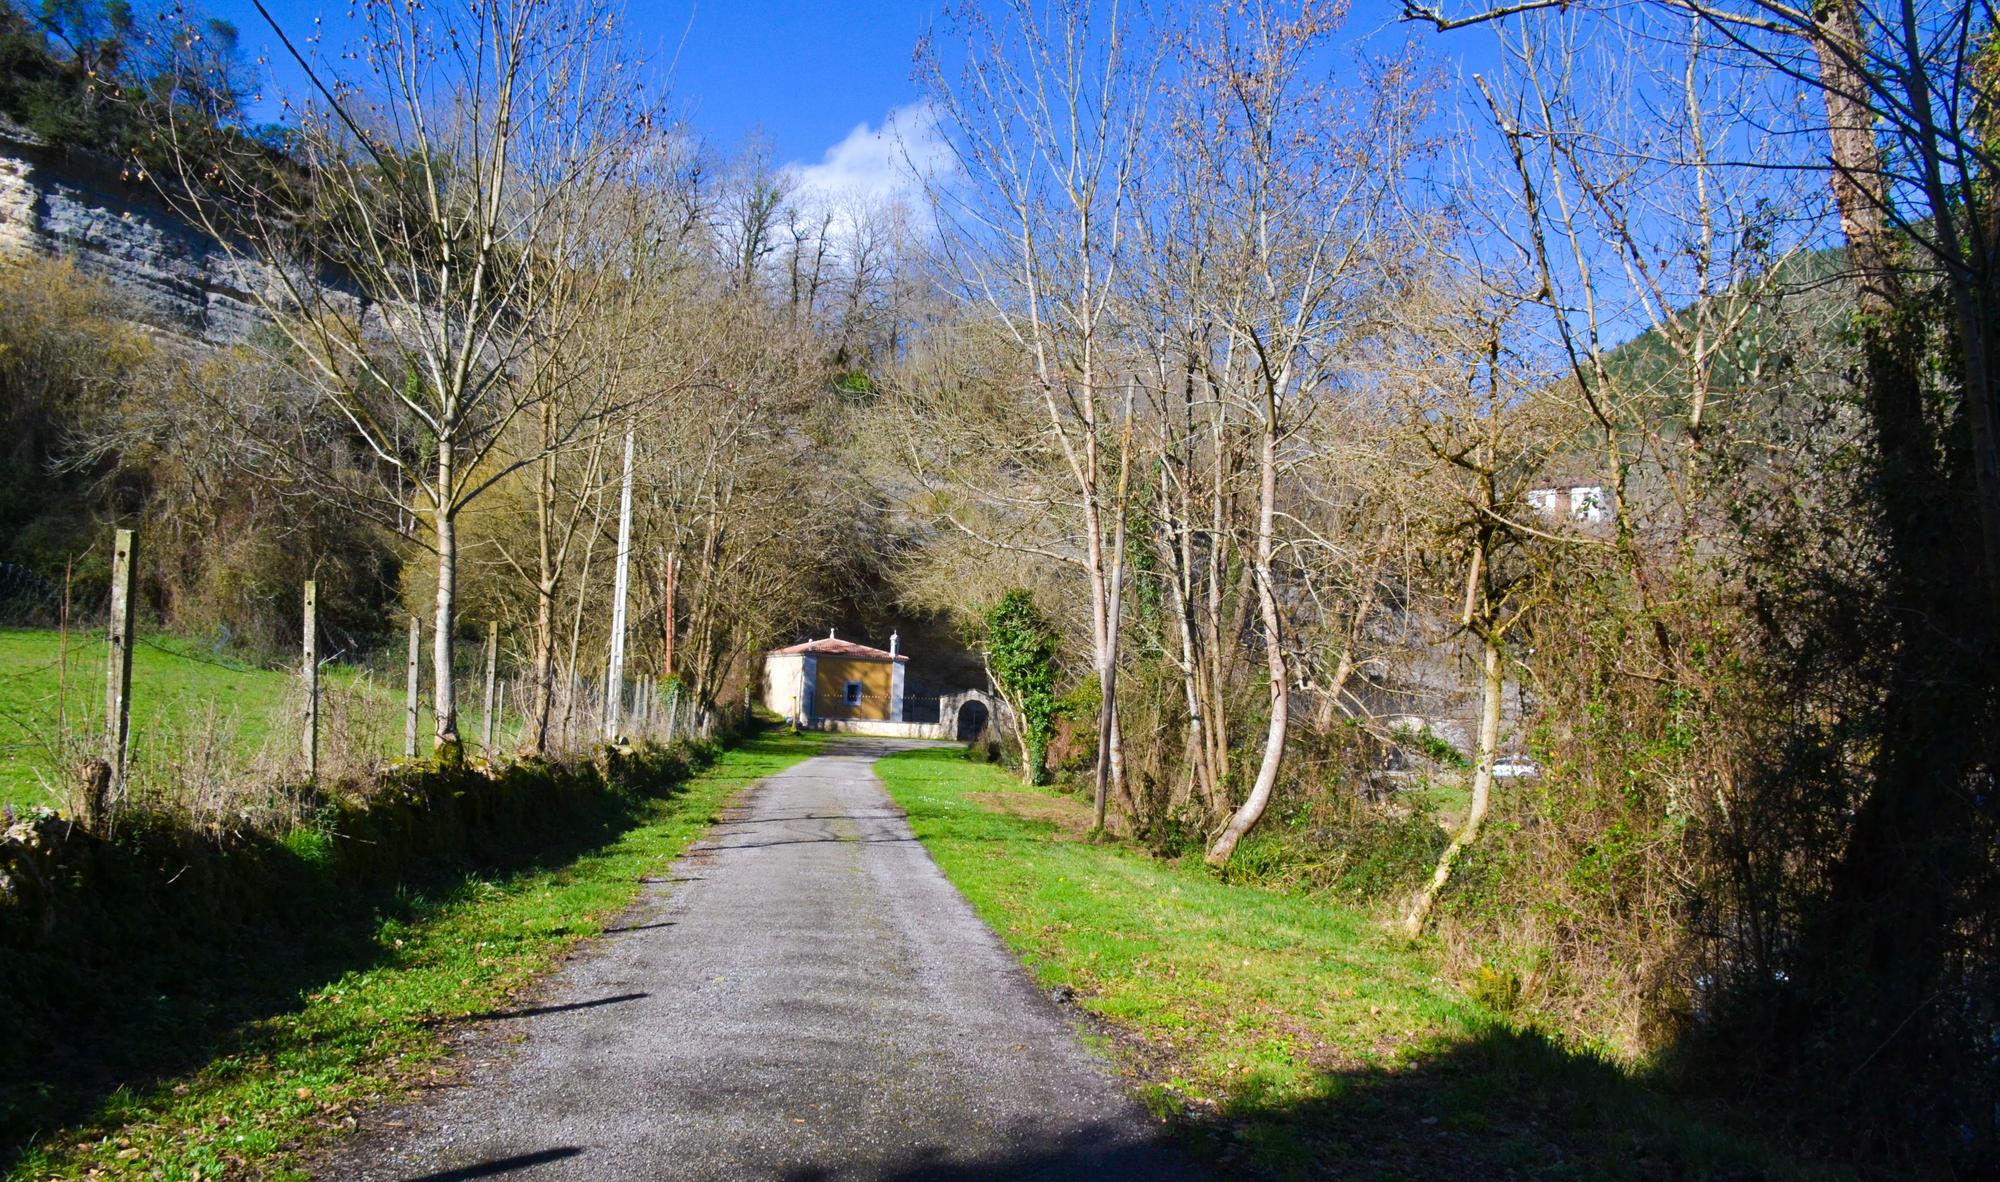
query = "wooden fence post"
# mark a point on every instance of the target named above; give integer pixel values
(310, 739)
(118, 674)
(415, 687)
(492, 659)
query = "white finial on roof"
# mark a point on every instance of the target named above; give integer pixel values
(892, 644)
(829, 634)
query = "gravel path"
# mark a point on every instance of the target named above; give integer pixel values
(808, 1000)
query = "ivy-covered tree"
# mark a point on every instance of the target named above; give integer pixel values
(1021, 652)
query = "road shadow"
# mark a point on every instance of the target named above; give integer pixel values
(829, 839)
(538, 1011)
(1497, 1103)
(501, 1165)
(1096, 1153)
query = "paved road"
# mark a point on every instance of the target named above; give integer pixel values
(811, 1001)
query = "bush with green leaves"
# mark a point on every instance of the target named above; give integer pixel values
(1021, 650)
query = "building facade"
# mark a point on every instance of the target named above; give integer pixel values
(837, 685)
(834, 680)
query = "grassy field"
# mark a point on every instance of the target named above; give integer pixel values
(1288, 1035)
(181, 695)
(374, 1027)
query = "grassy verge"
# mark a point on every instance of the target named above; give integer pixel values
(1289, 1035)
(376, 1030)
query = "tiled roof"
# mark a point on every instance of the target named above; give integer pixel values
(842, 648)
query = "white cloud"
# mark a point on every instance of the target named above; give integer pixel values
(880, 164)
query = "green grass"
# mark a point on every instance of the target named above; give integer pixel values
(175, 686)
(284, 1084)
(1450, 797)
(1289, 1035)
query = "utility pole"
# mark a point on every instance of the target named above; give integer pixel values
(614, 674)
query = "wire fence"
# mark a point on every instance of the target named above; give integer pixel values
(29, 600)
(230, 742)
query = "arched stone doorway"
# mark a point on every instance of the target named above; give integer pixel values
(972, 719)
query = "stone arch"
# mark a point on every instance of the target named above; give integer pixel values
(968, 708)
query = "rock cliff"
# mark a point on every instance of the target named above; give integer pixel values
(84, 207)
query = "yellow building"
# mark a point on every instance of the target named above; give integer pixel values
(834, 680)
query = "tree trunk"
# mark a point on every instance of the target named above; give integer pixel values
(1031, 770)
(1879, 948)
(1875, 952)
(1114, 746)
(537, 729)
(1180, 592)
(1107, 669)
(544, 669)
(575, 682)
(1107, 708)
(667, 611)
(704, 624)
(444, 694)
(1275, 663)
(1216, 707)
(1482, 790)
(1343, 670)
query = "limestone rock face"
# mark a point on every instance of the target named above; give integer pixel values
(80, 206)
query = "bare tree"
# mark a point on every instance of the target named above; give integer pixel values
(1908, 139)
(1282, 199)
(1488, 435)
(1046, 107)
(752, 210)
(415, 233)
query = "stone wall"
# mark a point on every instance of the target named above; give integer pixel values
(946, 727)
(86, 207)
(879, 728)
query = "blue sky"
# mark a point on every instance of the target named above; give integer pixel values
(815, 79)
(804, 75)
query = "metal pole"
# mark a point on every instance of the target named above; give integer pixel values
(614, 675)
(118, 674)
